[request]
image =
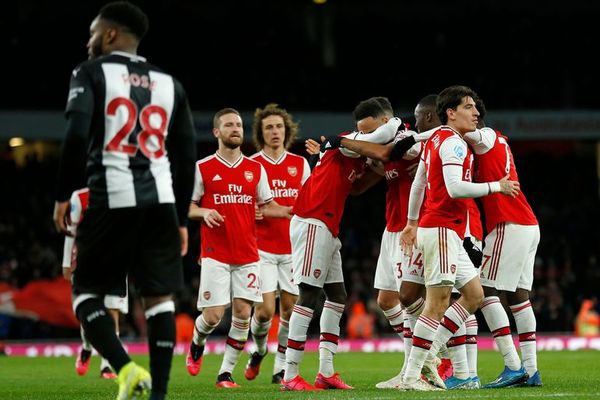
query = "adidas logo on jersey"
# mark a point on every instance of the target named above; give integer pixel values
(217, 177)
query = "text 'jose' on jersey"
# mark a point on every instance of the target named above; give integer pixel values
(131, 104)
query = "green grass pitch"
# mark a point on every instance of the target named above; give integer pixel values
(566, 375)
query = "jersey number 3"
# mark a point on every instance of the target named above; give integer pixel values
(151, 148)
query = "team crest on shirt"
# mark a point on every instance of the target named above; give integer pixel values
(293, 171)
(249, 176)
(206, 295)
(317, 273)
(453, 268)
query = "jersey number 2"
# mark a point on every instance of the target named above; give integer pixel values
(117, 142)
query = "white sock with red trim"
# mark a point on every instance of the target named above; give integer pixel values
(471, 341)
(526, 327)
(299, 322)
(497, 321)
(330, 334)
(238, 335)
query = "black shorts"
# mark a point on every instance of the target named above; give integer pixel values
(142, 242)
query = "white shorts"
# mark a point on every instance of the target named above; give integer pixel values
(316, 255)
(220, 282)
(445, 260)
(412, 267)
(388, 272)
(113, 302)
(276, 273)
(509, 257)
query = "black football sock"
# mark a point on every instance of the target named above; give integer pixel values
(100, 331)
(161, 342)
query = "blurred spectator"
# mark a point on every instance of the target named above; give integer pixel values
(588, 321)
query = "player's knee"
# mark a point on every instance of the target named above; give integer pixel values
(490, 291)
(212, 317)
(387, 300)
(264, 314)
(474, 296)
(408, 295)
(308, 296)
(86, 304)
(517, 297)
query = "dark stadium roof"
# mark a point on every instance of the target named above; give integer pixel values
(323, 57)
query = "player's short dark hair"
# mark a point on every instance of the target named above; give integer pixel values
(222, 112)
(291, 127)
(373, 107)
(451, 97)
(428, 101)
(126, 15)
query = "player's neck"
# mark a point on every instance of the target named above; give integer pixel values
(231, 155)
(274, 152)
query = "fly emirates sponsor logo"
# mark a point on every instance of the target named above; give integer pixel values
(279, 189)
(235, 196)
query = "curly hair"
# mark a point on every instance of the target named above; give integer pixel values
(291, 127)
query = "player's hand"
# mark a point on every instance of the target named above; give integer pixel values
(183, 236)
(213, 218)
(312, 147)
(258, 215)
(401, 147)
(67, 273)
(331, 142)
(509, 188)
(61, 217)
(475, 254)
(408, 239)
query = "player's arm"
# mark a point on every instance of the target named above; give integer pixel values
(71, 168)
(373, 173)
(452, 153)
(275, 210)
(209, 216)
(481, 140)
(75, 211)
(181, 147)
(415, 201)
(264, 198)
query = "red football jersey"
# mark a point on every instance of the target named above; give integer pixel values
(286, 177)
(398, 192)
(232, 190)
(493, 166)
(440, 209)
(324, 194)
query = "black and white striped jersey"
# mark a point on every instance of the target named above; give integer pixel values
(139, 123)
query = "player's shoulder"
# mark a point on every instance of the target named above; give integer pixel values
(251, 161)
(256, 156)
(205, 159)
(295, 157)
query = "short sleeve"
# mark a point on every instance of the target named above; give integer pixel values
(263, 191)
(305, 171)
(198, 191)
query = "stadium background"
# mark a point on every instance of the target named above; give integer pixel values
(318, 61)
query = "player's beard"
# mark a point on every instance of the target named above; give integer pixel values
(96, 50)
(230, 144)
